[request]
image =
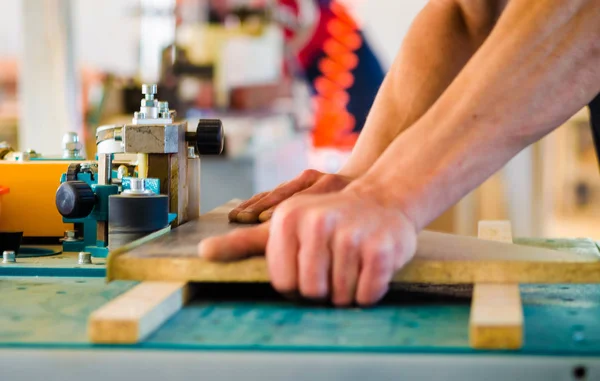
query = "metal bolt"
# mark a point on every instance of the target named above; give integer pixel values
(149, 90)
(149, 103)
(192, 152)
(8, 257)
(85, 258)
(70, 236)
(71, 145)
(137, 184)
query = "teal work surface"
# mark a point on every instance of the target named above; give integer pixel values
(52, 313)
(41, 311)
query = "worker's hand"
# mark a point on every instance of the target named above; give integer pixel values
(260, 207)
(343, 246)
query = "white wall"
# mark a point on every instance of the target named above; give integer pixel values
(10, 25)
(386, 22)
(106, 32)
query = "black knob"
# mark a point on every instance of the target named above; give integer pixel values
(72, 171)
(209, 137)
(75, 199)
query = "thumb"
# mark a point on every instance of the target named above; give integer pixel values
(238, 244)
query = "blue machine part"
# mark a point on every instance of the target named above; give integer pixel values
(150, 184)
(88, 225)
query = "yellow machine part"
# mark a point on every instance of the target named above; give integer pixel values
(30, 205)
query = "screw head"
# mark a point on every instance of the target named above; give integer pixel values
(85, 258)
(149, 89)
(8, 257)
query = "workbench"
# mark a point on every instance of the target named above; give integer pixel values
(249, 332)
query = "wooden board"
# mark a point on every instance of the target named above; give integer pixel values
(134, 315)
(440, 259)
(496, 319)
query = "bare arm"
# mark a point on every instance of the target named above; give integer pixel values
(540, 65)
(443, 37)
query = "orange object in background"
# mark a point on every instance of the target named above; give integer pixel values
(3, 190)
(334, 124)
(30, 205)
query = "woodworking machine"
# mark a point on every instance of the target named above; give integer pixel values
(110, 207)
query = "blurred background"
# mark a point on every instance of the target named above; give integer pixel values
(264, 68)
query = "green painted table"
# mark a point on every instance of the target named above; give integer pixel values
(48, 314)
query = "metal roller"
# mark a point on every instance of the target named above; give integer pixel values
(134, 214)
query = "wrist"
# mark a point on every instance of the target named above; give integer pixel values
(387, 197)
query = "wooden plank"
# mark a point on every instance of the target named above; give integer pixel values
(132, 316)
(496, 320)
(440, 259)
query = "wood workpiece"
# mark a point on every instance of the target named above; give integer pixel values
(440, 259)
(131, 317)
(496, 320)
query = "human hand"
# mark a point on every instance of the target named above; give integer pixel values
(260, 207)
(344, 246)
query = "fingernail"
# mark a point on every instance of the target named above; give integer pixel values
(204, 249)
(233, 213)
(265, 216)
(246, 216)
(201, 249)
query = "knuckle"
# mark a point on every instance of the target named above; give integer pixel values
(334, 181)
(310, 174)
(378, 262)
(345, 244)
(285, 215)
(315, 220)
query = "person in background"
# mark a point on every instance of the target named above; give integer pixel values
(336, 59)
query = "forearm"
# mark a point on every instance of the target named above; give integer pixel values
(441, 40)
(540, 65)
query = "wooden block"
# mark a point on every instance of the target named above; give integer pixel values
(440, 259)
(131, 317)
(496, 320)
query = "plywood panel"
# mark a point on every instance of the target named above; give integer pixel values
(440, 258)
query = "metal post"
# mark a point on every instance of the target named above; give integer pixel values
(104, 168)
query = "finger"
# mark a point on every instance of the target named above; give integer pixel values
(327, 183)
(314, 257)
(282, 251)
(346, 267)
(378, 268)
(234, 212)
(251, 213)
(238, 244)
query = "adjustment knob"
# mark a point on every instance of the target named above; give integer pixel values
(209, 137)
(75, 199)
